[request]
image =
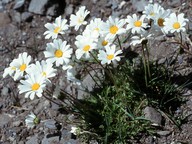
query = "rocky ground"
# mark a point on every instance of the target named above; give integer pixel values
(21, 29)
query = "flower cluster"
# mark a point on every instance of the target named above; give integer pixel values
(98, 41)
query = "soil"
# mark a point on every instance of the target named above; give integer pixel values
(19, 34)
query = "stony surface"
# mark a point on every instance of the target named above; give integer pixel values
(153, 115)
(21, 29)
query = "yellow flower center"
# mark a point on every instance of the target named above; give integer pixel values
(80, 20)
(35, 86)
(110, 57)
(137, 23)
(113, 29)
(104, 43)
(152, 14)
(176, 25)
(44, 74)
(23, 67)
(86, 48)
(160, 22)
(57, 30)
(58, 53)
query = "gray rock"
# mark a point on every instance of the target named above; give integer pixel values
(153, 115)
(174, 3)
(89, 84)
(50, 140)
(163, 133)
(1, 7)
(19, 4)
(16, 17)
(16, 123)
(98, 75)
(4, 19)
(33, 140)
(38, 6)
(21, 142)
(139, 5)
(42, 106)
(69, 9)
(71, 141)
(5, 119)
(5, 91)
(26, 17)
(6, 1)
(52, 11)
(50, 124)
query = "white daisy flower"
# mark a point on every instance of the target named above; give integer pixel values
(84, 46)
(175, 23)
(113, 27)
(31, 120)
(151, 10)
(94, 28)
(58, 52)
(58, 27)
(136, 24)
(79, 19)
(110, 55)
(33, 85)
(21, 64)
(43, 68)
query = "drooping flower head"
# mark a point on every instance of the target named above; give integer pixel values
(175, 23)
(58, 52)
(109, 55)
(79, 18)
(31, 120)
(138, 39)
(58, 27)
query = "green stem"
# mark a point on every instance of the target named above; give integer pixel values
(108, 72)
(148, 67)
(185, 48)
(92, 77)
(95, 72)
(52, 100)
(119, 42)
(144, 63)
(181, 37)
